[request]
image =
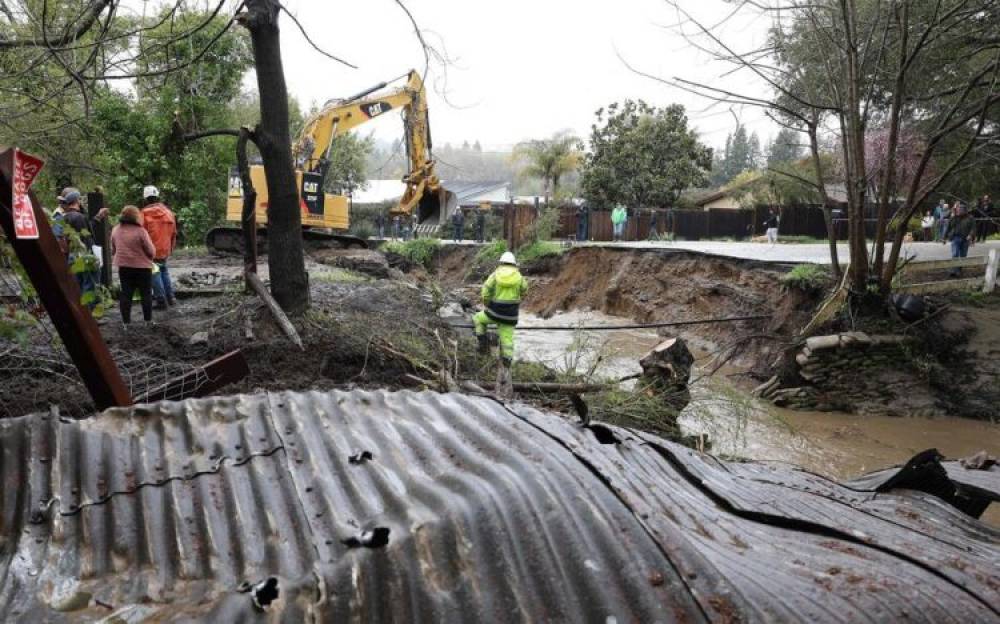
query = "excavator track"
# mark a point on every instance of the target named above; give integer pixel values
(226, 240)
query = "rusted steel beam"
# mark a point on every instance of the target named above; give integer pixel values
(59, 293)
(202, 381)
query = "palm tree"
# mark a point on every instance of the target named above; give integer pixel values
(548, 159)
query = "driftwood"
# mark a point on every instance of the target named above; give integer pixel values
(279, 315)
(667, 370)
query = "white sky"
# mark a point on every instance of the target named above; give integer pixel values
(523, 68)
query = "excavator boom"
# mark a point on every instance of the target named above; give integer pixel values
(423, 193)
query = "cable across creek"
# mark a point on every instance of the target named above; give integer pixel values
(729, 319)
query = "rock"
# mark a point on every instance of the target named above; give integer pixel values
(198, 338)
(802, 359)
(820, 343)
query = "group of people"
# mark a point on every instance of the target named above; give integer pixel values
(403, 228)
(458, 225)
(935, 223)
(141, 245)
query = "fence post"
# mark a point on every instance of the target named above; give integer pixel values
(992, 264)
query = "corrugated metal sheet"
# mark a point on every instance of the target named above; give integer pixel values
(493, 513)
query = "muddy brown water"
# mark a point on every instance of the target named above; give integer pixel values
(834, 444)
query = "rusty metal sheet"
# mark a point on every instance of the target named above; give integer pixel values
(379, 506)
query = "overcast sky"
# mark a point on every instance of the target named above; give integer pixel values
(522, 68)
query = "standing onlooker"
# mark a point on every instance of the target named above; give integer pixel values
(961, 233)
(582, 218)
(161, 224)
(481, 223)
(88, 278)
(771, 226)
(653, 225)
(984, 215)
(927, 224)
(380, 224)
(938, 215)
(457, 225)
(395, 227)
(414, 222)
(943, 219)
(619, 217)
(133, 252)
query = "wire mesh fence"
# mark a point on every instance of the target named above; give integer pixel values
(36, 372)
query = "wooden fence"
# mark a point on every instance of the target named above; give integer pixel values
(697, 224)
(987, 279)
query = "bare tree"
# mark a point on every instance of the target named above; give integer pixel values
(846, 68)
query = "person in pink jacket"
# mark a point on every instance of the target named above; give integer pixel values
(132, 250)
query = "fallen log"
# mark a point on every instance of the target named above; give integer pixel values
(279, 315)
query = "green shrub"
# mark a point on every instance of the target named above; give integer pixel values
(418, 251)
(807, 278)
(490, 252)
(538, 250)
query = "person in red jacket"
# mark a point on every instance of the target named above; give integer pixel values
(161, 224)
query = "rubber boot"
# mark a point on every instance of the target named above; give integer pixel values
(484, 344)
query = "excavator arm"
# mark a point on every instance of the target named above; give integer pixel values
(423, 188)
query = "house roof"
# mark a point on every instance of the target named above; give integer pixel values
(403, 506)
(469, 191)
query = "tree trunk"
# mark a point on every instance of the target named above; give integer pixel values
(285, 261)
(831, 232)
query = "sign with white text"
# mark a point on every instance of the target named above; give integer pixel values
(26, 168)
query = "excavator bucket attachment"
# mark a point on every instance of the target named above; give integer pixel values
(435, 207)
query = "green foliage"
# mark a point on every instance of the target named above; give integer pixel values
(490, 253)
(542, 228)
(643, 156)
(538, 250)
(742, 154)
(348, 163)
(548, 159)
(421, 251)
(785, 147)
(808, 278)
(198, 218)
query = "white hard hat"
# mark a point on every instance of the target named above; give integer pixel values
(150, 191)
(508, 258)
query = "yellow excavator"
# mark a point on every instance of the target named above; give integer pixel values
(326, 217)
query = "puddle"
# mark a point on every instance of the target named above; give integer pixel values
(834, 444)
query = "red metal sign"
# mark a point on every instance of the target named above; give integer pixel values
(26, 168)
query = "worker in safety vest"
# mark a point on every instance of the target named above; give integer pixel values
(502, 292)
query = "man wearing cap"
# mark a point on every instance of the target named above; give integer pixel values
(69, 203)
(502, 292)
(161, 225)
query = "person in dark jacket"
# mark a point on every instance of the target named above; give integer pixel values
(961, 233)
(87, 276)
(481, 223)
(380, 224)
(132, 251)
(984, 217)
(457, 225)
(582, 222)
